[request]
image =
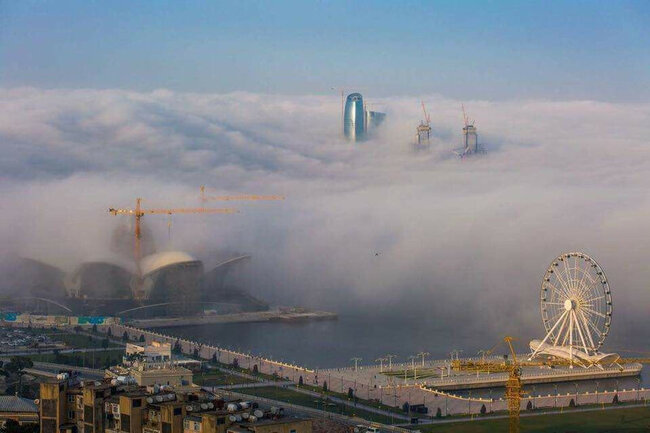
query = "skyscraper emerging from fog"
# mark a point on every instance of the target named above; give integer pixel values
(357, 121)
(354, 125)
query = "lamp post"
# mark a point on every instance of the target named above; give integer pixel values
(381, 364)
(390, 361)
(356, 363)
(597, 386)
(423, 354)
(555, 386)
(576, 387)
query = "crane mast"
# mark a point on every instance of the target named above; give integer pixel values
(138, 212)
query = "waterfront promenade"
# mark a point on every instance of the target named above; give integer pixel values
(391, 394)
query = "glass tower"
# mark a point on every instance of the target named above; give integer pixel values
(354, 126)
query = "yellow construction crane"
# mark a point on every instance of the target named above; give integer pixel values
(205, 198)
(139, 212)
(513, 368)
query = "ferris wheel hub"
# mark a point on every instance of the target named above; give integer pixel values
(570, 304)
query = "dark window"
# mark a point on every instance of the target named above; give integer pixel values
(49, 426)
(88, 414)
(178, 411)
(166, 427)
(125, 420)
(49, 408)
(137, 402)
(221, 420)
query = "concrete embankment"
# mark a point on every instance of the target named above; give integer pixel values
(255, 316)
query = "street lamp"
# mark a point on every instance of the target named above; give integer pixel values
(423, 354)
(381, 364)
(390, 361)
(576, 387)
(356, 363)
(597, 386)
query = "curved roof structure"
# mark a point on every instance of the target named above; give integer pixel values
(99, 280)
(154, 262)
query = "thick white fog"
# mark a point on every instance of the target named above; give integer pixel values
(366, 225)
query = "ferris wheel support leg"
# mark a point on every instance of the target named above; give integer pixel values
(547, 335)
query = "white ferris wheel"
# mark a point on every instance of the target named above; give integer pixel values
(576, 305)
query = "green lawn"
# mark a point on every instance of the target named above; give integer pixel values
(290, 396)
(372, 403)
(216, 378)
(599, 421)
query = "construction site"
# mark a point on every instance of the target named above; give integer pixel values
(148, 282)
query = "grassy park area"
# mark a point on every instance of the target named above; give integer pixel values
(625, 420)
(291, 396)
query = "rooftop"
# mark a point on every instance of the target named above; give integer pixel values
(13, 403)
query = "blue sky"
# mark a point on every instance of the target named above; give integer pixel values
(462, 49)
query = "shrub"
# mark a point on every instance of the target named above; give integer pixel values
(109, 332)
(255, 369)
(142, 339)
(615, 400)
(325, 386)
(125, 336)
(350, 393)
(529, 406)
(214, 358)
(300, 381)
(438, 413)
(572, 403)
(484, 409)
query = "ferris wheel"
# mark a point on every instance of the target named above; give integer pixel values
(576, 304)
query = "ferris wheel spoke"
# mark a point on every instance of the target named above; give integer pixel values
(567, 290)
(586, 323)
(597, 333)
(594, 299)
(557, 290)
(587, 289)
(567, 273)
(562, 319)
(578, 326)
(595, 312)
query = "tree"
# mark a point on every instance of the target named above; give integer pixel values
(325, 386)
(235, 363)
(214, 358)
(105, 343)
(78, 329)
(255, 369)
(350, 393)
(300, 381)
(94, 329)
(529, 406)
(177, 347)
(438, 413)
(483, 410)
(196, 352)
(615, 400)
(406, 407)
(109, 332)
(12, 426)
(15, 367)
(142, 339)
(125, 336)
(572, 403)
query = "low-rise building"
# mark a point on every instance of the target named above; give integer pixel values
(21, 410)
(110, 406)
